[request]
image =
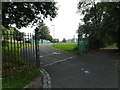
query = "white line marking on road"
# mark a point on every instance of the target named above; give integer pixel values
(59, 61)
(58, 53)
(53, 53)
(47, 55)
(87, 72)
(71, 57)
(41, 56)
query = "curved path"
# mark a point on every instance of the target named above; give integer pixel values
(72, 71)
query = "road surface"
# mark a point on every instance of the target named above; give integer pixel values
(72, 71)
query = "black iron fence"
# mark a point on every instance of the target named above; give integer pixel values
(18, 52)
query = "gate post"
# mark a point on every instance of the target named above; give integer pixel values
(37, 48)
(79, 39)
(82, 44)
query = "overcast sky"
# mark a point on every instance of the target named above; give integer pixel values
(66, 22)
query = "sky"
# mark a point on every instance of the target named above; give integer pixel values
(66, 22)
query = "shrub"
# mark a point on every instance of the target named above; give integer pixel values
(95, 43)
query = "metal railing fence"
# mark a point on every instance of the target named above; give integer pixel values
(18, 52)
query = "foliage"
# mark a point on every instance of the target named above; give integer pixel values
(49, 37)
(43, 31)
(101, 21)
(6, 36)
(17, 35)
(64, 40)
(10, 34)
(22, 14)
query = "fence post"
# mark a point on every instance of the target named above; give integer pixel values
(79, 40)
(37, 48)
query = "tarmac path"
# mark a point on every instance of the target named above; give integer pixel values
(69, 70)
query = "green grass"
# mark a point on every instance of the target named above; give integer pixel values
(111, 46)
(70, 47)
(20, 79)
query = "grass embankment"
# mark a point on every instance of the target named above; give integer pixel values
(70, 47)
(19, 80)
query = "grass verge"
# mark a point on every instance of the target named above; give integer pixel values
(111, 46)
(70, 47)
(20, 79)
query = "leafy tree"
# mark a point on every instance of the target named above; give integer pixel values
(49, 37)
(12, 33)
(64, 40)
(5, 37)
(24, 13)
(103, 18)
(17, 35)
(43, 32)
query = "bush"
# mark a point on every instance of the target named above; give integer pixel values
(95, 43)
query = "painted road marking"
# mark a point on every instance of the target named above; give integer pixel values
(41, 56)
(87, 72)
(53, 53)
(59, 61)
(56, 52)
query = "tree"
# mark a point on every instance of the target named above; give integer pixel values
(43, 32)
(17, 35)
(64, 40)
(24, 13)
(104, 19)
(49, 37)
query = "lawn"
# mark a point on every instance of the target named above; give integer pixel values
(19, 80)
(70, 47)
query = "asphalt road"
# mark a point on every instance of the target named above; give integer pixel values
(72, 71)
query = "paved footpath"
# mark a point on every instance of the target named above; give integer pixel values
(73, 71)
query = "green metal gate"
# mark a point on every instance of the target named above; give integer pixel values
(82, 44)
(12, 45)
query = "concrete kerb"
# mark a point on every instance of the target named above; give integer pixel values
(46, 79)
